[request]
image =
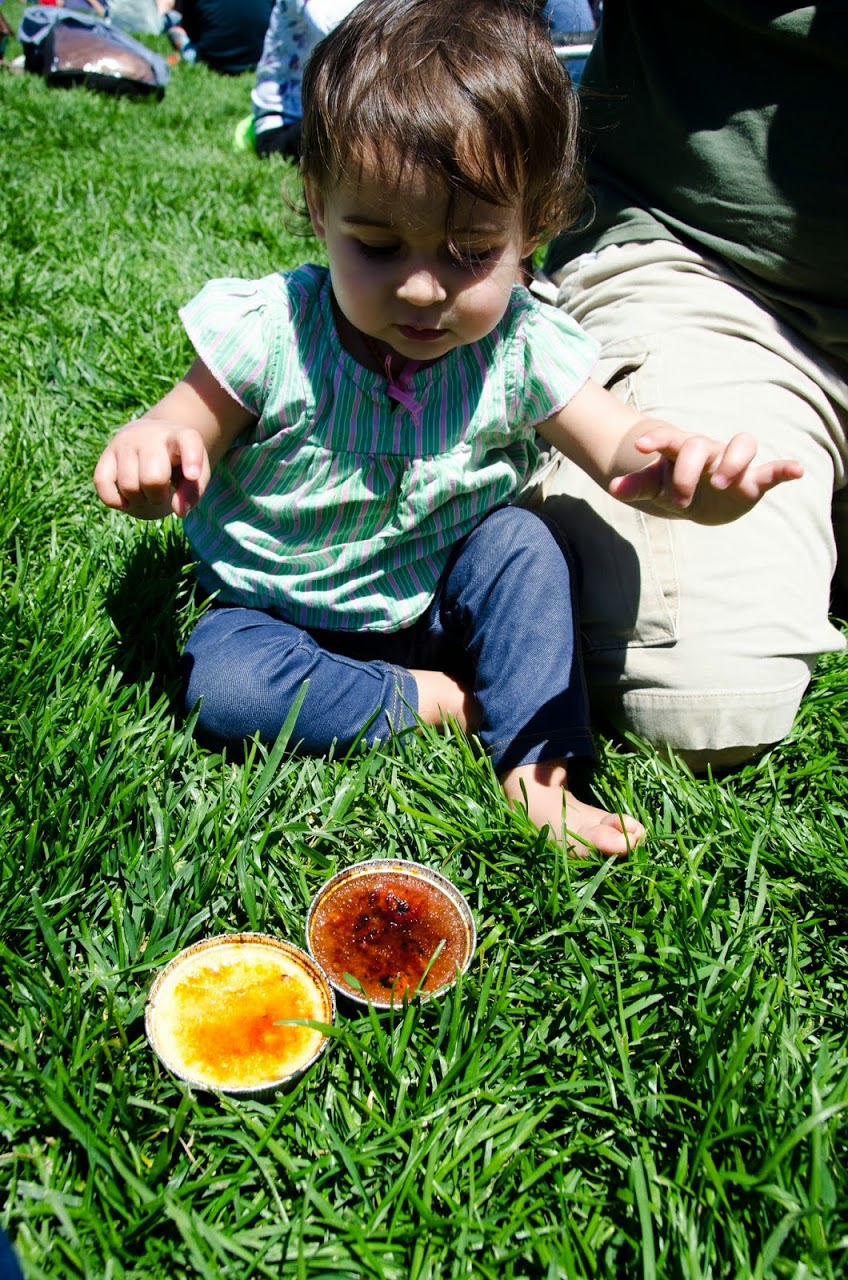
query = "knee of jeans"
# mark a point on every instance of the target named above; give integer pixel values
(223, 710)
(515, 532)
(232, 677)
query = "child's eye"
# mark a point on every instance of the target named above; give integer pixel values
(376, 250)
(471, 258)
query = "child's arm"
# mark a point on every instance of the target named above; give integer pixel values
(664, 470)
(161, 463)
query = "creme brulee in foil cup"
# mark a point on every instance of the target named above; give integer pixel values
(395, 927)
(223, 1014)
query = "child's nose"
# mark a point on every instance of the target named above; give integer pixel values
(421, 287)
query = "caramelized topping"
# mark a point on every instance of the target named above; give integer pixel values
(218, 1017)
(384, 930)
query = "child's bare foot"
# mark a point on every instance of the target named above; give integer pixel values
(439, 695)
(543, 788)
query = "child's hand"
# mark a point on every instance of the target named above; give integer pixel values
(152, 468)
(703, 479)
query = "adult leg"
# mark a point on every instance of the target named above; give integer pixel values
(702, 639)
(505, 600)
(281, 140)
(246, 667)
(276, 92)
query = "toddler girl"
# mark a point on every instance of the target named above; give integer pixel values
(346, 444)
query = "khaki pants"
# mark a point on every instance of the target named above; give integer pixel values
(703, 639)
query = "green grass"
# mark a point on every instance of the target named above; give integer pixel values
(645, 1072)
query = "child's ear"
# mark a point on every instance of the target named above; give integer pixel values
(315, 205)
(530, 247)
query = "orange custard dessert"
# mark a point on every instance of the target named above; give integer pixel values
(217, 1014)
(395, 927)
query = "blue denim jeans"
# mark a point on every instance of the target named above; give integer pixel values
(501, 622)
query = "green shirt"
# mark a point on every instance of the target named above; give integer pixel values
(724, 125)
(340, 507)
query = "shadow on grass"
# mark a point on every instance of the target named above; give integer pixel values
(151, 604)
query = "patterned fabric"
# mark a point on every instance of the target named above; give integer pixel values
(295, 28)
(339, 508)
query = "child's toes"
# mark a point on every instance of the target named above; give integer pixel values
(589, 828)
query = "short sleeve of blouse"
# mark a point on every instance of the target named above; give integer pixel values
(552, 359)
(238, 329)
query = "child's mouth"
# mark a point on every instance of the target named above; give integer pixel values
(415, 334)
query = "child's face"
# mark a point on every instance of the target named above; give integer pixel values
(394, 276)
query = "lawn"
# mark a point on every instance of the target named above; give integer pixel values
(645, 1071)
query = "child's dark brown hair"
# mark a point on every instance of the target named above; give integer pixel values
(471, 90)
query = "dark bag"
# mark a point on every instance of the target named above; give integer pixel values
(70, 48)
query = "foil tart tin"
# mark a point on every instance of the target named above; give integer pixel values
(217, 1015)
(380, 922)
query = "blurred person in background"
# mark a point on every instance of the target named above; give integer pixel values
(295, 28)
(225, 34)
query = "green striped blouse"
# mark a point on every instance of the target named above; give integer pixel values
(338, 508)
